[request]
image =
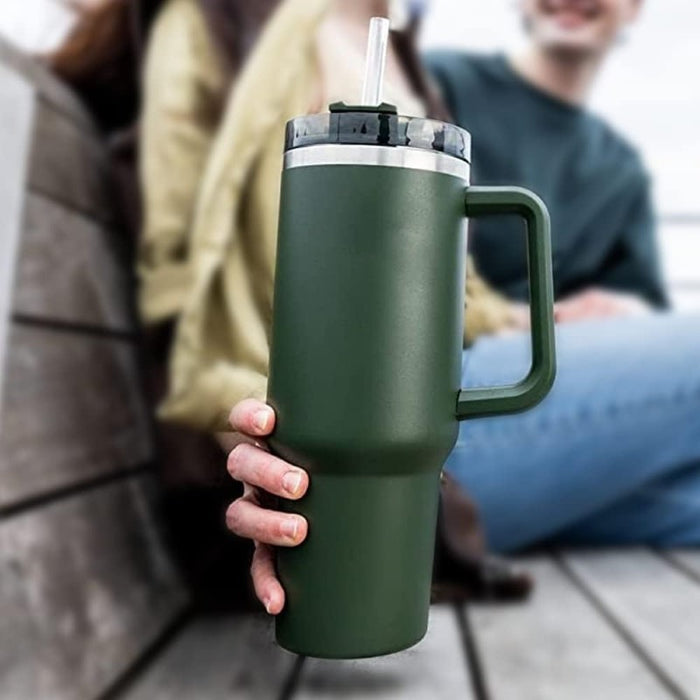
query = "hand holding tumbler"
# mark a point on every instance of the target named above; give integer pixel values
(365, 362)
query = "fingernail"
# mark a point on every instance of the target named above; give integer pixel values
(262, 419)
(291, 482)
(289, 528)
(268, 605)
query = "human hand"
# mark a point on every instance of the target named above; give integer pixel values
(516, 320)
(598, 303)
(520, 316)
(253, 515)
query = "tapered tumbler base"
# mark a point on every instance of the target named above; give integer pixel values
(359, 585)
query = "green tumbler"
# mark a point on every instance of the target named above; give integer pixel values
(365, 363)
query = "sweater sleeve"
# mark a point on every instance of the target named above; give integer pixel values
(634, 263)
(183, 87)
(485, 310)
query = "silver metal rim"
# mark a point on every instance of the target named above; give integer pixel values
(388, 156)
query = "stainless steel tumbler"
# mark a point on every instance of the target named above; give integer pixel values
(365, 362)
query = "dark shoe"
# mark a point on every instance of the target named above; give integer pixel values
(463, 570)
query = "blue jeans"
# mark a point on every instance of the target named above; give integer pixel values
(611, 456)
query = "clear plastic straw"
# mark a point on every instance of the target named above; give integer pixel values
(375, 61)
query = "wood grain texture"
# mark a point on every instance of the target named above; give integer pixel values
(435, 668)
(85, 587)
(73, 410)
(50, 90)
(557, 647)
(70, 165)
(16, 118)
(657, 605)
(70, 268)
(217, 658)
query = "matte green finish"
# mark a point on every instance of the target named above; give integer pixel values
(370, 533)
(365, 379)
(364, 373)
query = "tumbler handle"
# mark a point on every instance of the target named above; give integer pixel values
(512, 398)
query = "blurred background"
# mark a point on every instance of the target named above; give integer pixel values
(662, 52)
(647, 91)
(105, 588)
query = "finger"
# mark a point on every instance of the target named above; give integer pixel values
(249, 520)
(254, 466)
(252, 417)
(267, 587)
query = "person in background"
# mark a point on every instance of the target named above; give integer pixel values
(609, 453)
(529, 126)
(612, 455)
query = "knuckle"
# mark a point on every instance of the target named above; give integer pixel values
(237, 459)
(268, 530)
(235, 517)
(264, 471)
(232, 461)
(257, 460)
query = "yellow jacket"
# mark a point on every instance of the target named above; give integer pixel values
(210, 177)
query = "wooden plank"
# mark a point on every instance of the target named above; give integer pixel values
(71, 165)
(51, 90)
(557, 647)
(70, 269)
(16, 117)
(74, 410)
(217, 658)
(435, 668)
(85, 588)
(656, 605)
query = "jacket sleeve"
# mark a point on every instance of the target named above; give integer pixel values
(183, 86)
(634, 263)
(485, 310)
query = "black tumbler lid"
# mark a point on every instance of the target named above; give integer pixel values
(377, 126)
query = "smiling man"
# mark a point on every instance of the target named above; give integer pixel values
(529, 126)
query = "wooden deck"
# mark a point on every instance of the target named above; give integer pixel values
(622, 624)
